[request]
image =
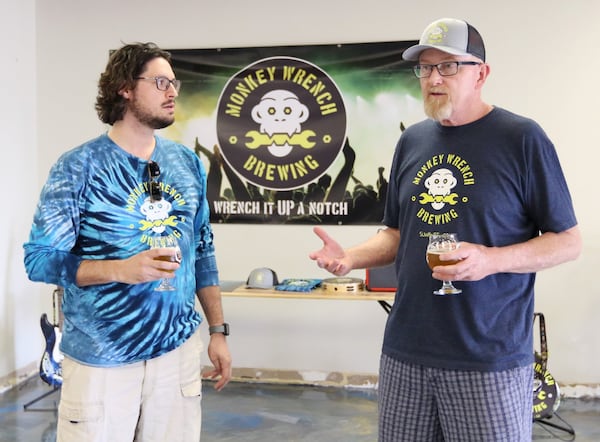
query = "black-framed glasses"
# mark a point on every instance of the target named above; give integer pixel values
(445, 69)
(153, 186)
(163, 83)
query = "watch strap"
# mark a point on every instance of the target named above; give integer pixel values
(223, 328)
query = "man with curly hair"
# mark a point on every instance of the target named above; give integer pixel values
(109, 207)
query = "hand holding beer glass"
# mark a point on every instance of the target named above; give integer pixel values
(440, 243)
(173, 255)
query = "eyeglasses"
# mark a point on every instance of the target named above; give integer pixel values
(163, 83)
(445, 69)
(154, 172)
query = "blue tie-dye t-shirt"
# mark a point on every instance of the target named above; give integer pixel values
(96, 205)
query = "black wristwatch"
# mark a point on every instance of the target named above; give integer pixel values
(223, 328)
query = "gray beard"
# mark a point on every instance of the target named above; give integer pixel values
(439, 113)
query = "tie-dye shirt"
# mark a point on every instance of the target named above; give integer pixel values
(96, 205)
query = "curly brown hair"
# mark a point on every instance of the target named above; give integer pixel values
(123, 67)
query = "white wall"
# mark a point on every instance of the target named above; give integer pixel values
(544, 61)
(18, 299)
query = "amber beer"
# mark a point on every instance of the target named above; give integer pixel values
(433, 258)
(440, 243)
(175, 257)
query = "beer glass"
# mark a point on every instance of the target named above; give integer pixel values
(442, 243)
(173, 255)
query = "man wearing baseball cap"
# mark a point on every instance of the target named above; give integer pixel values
(458, 367)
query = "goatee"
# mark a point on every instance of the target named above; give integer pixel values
(437, 104)
(438, 111)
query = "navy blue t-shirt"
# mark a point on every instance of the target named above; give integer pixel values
(496, 181)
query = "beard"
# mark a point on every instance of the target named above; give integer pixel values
(147, 118)
(438, 110)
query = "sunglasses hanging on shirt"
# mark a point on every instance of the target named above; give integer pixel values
(153, 186)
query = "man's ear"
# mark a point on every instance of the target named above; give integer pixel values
(484, 72)
(125, 91)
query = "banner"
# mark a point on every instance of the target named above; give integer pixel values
(295, 134)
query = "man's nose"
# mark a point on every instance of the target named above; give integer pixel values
(171, 91)
(435, 77)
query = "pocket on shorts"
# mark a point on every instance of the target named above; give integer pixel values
(78, 419)
(191, 367)
(192, 389)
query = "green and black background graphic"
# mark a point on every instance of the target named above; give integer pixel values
(295, 134)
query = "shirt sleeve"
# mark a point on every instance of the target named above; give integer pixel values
(206, 264)
(547, 194)
(48, 256)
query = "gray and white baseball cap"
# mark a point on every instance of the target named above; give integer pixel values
(456, 37)
(262, 278)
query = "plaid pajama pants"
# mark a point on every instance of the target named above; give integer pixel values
(425, 404)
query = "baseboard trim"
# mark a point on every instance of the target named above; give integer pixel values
(17, 377)
(365, 380)
(580, 391)
(305, 377)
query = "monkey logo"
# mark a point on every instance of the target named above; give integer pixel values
(281, 123)
(436, 33)
(280, 115)
(439, 185)
(157, 215)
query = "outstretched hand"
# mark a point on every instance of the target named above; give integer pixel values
(331, 256)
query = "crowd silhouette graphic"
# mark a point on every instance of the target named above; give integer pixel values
(356, 202)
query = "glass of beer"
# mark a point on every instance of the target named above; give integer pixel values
(440, 243)
(173, 255)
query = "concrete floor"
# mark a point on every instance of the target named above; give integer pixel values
(266, 412)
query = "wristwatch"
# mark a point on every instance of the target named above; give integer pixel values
(223, 328)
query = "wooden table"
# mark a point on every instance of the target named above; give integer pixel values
(239, 289)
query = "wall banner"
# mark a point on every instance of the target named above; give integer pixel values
(295, 134)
